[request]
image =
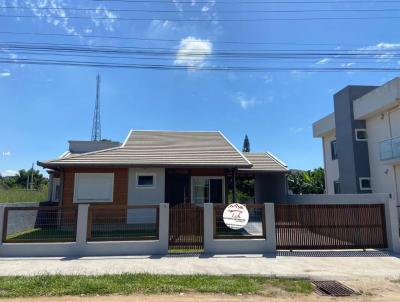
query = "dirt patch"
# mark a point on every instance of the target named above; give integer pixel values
(372, 290)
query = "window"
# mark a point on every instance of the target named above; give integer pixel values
(334, 150)
(361, 135)
(147, 181)
(208, 189)
(336, 187)
(365, 183)
(93, 187)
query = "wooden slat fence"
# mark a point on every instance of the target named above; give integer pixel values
(186, 227)
(350, 226)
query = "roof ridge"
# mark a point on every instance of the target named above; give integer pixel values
(277, 160)
(234, 148)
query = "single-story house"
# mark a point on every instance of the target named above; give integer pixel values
(152, 167)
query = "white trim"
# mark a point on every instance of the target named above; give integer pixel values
(360, 179)
(110, 176)
(127, 138)
(236, 149)
(360, 130)
(208, 177)
(277, 160)
(64, 154)
(153, 186)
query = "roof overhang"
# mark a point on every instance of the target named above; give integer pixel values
(324, 126)
(378, 100)
(50, 165)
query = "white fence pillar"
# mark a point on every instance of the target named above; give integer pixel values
(270, 232)
(392, 226)
(82, 224)
(208, 227)
(1, 223)
(163, 227)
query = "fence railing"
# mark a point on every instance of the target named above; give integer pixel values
(123, 223)
(312, 226)
(39, 224)
(254, 229)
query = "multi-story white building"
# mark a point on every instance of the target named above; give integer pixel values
(361, 140)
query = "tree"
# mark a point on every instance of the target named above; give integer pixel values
(21, 179)
(246, 144)
(307, 182)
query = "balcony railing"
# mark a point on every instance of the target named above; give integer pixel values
(390, 149)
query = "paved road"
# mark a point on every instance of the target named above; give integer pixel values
(349, 265)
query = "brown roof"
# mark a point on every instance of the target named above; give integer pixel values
(264, 162)
(162, 148)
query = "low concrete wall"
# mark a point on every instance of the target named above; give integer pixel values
(392, 221)
(239, 246)
(83, 248)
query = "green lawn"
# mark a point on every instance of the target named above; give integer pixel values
(20, 195)
(126, 284)
(52, 234)
(43, 234)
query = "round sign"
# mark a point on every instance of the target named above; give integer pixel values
(235, 216)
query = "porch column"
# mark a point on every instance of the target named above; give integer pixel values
(234, 185)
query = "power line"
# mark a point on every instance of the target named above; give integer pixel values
(252, 2)
(193, 51)
(166, 40)
(198, 11)
(204, 68)
(194, 55)
(209, 20)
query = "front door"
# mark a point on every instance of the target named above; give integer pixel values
(208, 189)
(177, 188)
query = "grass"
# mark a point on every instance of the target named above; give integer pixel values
(21, 195)
(49, 234)
(43, 234)
(127, 284)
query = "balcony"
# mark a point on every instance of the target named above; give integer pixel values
(390, 149)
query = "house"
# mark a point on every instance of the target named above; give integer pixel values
(152, 167)
(361, 140)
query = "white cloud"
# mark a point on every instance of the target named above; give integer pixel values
(193, 52)
(5, 74)
(296, 130)
(323, 61)
(247, 102)
(268, 79)
(383, 56)
(6, 153)
(8, 173)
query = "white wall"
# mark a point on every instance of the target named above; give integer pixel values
(382, 174)
(331, 166)
(145, 196)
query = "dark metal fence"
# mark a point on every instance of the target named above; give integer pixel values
(186, 227)
(39, 224)
(123, 223)
(254, 229)
(330, 226)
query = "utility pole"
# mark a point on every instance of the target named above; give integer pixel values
(32, 177)
(96, 129)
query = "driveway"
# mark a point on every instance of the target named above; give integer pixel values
(340, 265)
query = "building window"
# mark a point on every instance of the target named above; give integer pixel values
(361, 135)
(145, 181)
(334, 150)
(336, 187)
(93, 187)
(208, 189)
(365, 183)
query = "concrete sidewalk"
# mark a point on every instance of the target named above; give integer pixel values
(339, 265)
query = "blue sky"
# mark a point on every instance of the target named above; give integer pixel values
(42, 107)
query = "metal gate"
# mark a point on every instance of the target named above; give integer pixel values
(186, 227)
(349, 226)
